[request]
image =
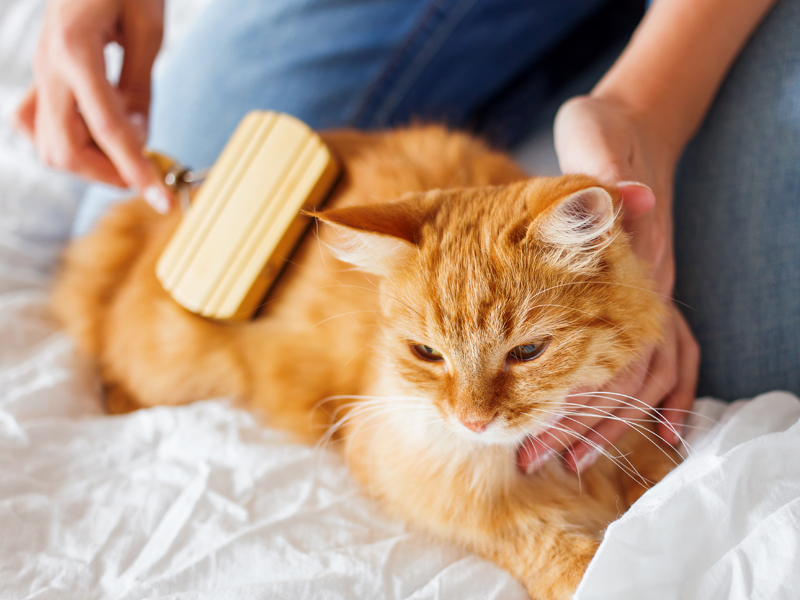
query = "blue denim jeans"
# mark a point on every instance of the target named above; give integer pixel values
(373, 64)
(737, 220)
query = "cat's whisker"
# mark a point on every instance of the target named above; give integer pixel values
(641, 429)
(357, 411)
(322, 444)
(346, 314)
(570, 434)
(326, 400)
(320, 243)
(653, 417)
(598, 447)
(644, 407)
(557, 455)
(634, 423)
(360, 430)
(682, 410)
(352, 408)
(605, 394)
(364, 403)
(641, 420)
(355, 414)
(364, 347)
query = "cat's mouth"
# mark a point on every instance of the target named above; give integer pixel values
(498, 432)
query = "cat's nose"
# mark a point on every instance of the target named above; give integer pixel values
(476, 426)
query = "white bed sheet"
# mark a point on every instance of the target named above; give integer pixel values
(200, 502)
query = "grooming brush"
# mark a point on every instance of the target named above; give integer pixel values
(245, 220)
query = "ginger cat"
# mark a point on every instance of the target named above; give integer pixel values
(446, 309)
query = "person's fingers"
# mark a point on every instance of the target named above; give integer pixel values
(58, 128)
(674, 409)
(121, 141)
(143, 32)
(91, 163)
(676, 370)
(584, 453)
(78, 121)
(583, 411)
(658, 384)
(535, 452)
(62, 139)
(25, 116)
(112, 131)
(110, 128)
(650, 241)
(578, 414)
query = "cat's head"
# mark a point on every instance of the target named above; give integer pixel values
(499, 301)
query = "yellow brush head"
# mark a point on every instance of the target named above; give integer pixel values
(245, 220)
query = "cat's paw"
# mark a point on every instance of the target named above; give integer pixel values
(559, 579)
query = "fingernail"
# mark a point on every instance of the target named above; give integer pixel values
(156, 198)
(139, 122)
(636, 183)
(538, 461)
(586, 461)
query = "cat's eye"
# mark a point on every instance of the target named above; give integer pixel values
(426, 352)
(528, 351)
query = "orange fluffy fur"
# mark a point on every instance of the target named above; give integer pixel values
(455, 250)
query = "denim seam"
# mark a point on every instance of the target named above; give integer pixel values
(409, 60)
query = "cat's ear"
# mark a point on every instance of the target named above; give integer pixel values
(580, 220)
(377, 238)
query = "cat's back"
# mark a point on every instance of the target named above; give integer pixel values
(382, 166)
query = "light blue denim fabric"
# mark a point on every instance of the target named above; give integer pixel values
(737, 220)
(337, 63)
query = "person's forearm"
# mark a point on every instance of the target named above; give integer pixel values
(676, 61)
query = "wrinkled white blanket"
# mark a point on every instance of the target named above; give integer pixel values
(725, 524)
(200, 502)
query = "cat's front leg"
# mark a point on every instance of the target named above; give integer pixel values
(543, 538)
(549, 560)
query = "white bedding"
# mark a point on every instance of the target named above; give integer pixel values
(200, 502)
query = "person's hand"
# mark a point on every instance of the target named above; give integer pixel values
(79, 121)
(602, 137)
